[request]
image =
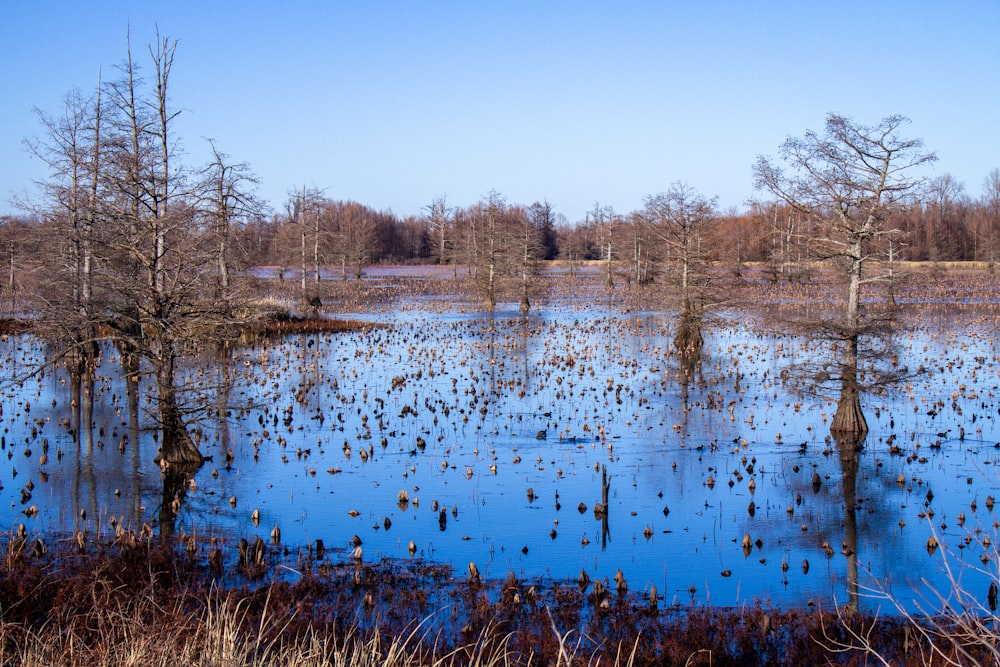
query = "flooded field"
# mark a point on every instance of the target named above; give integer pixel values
(569, 442)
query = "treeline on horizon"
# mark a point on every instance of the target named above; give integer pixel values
(945, 226)
(120, 193)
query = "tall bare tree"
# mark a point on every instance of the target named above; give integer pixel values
(680, 219)
(8, 245)
(439, 220)
(991, 213)
(849, 180)
(605, 223)
(528, 232)
(304, 210)
(543, 218)
(356, 236)
(944, 219)
(226, 199)
(136, 264)
(494, 245)
(643, 250)
(156, 315)
(72, 150)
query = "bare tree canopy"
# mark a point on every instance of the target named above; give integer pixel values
(849, 180)
(226, 199)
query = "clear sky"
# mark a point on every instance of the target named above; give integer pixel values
(392, 103)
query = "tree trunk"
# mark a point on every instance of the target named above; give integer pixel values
(609, 279)
(849, 420)
(223, 265)
(491, 298)
(316, 249)
(853, 315)
(10, 268)
(302, 238)
(303, 267)
(491, 259)
(442, 250)
(525, 275)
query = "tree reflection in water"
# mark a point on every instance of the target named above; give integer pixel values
(849, 446)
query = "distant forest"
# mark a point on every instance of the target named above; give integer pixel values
(120, 201)
(946, 226)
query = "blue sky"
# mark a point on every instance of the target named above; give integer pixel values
(395, 103)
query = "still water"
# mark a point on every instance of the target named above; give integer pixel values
(500, 431)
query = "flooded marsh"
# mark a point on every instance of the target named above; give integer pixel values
(567, 443)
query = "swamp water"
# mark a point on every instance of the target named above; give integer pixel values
(500, 430)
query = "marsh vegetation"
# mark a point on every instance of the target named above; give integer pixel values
(571, 448)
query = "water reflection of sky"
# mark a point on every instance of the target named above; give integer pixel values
(549, 400)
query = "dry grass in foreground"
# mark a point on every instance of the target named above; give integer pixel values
(146, 602)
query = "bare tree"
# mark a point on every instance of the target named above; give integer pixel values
(543, 219)
(152, 238)
(944, 226)
(991, 213)
(439, 219)
(788, 239)
(529, 231)
(72, 150)
(489, 240)
(606, 222)
(680, 219)
(357, 234)
(643, 250)
(573, 244)
(848, 180)
(227, 201)
(466, 241)
(304, 210)
(8, 245)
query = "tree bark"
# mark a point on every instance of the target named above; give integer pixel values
(849, 420)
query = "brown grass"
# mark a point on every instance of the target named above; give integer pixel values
(142, 601)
